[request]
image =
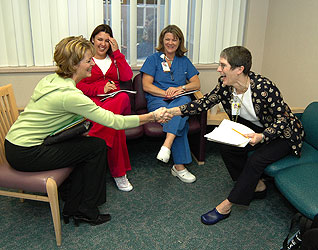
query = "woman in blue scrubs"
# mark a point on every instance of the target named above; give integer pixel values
(165, 74)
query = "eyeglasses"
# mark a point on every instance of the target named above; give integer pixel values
(222, 65)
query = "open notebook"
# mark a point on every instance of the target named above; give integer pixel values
(112, 94)
(231, 133)
(182, 94)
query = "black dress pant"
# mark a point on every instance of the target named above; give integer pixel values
(310, 240)
(247, 169)
(87, 182)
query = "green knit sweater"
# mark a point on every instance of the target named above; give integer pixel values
(56, 102)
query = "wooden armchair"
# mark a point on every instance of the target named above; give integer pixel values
(197, 124)
(43, 182)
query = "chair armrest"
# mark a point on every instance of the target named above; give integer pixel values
(126, 85)
(297, 110)
(198, 94)
(197, 141)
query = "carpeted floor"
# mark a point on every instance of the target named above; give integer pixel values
(160, 213)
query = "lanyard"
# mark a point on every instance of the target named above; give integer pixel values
(236, 106)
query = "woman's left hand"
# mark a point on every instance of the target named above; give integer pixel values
(172, 91)
(113, 44)
(255, 138)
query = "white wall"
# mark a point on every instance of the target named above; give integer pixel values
(254, 38)
(291, 49)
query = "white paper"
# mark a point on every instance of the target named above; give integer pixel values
(112, 94)
(225, 134)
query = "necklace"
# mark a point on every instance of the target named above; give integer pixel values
(170, 60)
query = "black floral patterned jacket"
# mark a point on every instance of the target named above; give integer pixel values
(273, 113)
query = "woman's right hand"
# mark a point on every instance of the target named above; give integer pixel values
(113, 44)
(109, 86)
(161, 115)
(172, 91)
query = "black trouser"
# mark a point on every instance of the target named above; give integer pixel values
(310, 240)
(247, 170)
(88, 156)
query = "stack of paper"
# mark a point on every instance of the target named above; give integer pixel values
(231, 133)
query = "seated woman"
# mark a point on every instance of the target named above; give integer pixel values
(56, 102)
(110, 68)
(256, 102)
(166, 74)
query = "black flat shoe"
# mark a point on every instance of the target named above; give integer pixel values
(260, 194)
(66, 217)
(101, 218)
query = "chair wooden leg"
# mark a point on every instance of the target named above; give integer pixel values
(21, 199)
(51, 189)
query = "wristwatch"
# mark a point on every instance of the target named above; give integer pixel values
(184, 87)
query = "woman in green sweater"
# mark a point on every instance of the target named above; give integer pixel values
(56, 102)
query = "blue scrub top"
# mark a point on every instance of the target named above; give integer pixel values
(181, 70)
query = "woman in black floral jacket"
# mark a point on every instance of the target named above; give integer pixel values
(256, 102)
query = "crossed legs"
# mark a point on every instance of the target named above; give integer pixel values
(176, 140)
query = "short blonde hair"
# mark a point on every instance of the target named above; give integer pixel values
(69, 52)
(176, 31)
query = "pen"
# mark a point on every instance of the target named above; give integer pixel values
(240, 133)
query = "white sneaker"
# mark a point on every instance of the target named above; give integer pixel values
(164, 154)
(123, 183)
(184, 175)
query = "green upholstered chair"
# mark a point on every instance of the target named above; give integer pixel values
(299, 186)
(309, 153)
(297, 178)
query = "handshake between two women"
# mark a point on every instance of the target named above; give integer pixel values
(164, 115)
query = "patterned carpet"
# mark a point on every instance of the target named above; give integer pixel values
(160, 213)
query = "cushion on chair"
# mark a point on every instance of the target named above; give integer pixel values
(153, 129)
(30, 181)
(128, 86)
(309, 120)
(299, 185)
(134, 133)
(140, 100)
(308, 155)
